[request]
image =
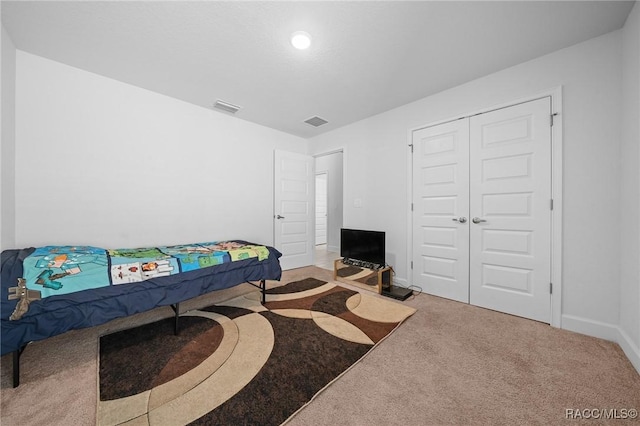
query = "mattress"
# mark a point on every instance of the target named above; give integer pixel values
(58, 313)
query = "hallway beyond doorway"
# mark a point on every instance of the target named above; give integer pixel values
(325, 258)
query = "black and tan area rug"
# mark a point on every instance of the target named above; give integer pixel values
(241, 363)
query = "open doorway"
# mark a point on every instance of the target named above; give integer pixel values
(321, 208)
(329, 207)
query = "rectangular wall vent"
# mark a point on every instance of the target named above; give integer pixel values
(226, 106)
(316, 121)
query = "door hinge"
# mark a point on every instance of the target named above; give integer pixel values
(412, 264)
(553, 115)
(551, 204)
(411, 206)
(550, 288)
(411, 145)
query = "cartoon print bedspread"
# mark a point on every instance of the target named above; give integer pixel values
(56, 270)
(76, 287)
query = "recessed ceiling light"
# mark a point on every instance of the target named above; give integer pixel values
(300, 40)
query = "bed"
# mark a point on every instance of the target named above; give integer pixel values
(49, 290)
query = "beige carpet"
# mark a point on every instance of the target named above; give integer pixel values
(450, 363)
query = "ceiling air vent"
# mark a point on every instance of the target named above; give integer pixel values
(226, 106)
(316, 121)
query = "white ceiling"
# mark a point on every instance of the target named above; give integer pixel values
(366, 57)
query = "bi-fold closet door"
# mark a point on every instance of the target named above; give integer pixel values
(482, 209)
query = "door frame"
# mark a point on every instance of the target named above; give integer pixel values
(326, 200)
(343, 150)
(556, 190)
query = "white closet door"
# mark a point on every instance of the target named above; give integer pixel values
(510, 226)
(441, 207)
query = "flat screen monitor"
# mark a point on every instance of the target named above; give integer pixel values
(358, 244)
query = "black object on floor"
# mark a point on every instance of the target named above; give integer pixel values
(399, 293)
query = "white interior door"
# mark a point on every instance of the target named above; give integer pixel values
(321, 208)
(441, 210)
(510, 241)
(293, 208)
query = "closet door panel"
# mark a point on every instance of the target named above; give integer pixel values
(510, 193)
(441, 210)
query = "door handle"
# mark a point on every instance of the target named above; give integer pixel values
(477, 220)
(279, 217)
(460, 219)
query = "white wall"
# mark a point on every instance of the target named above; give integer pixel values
(629, 212)
(8, 146)
(332, 165)
(589, 74)
(106, 163)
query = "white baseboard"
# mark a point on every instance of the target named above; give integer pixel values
(589, 327)
(630, 349)
(401, 282)
(604, 331)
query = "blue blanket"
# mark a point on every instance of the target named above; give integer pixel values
(112, 296)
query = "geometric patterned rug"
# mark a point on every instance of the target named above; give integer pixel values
(241, 362)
